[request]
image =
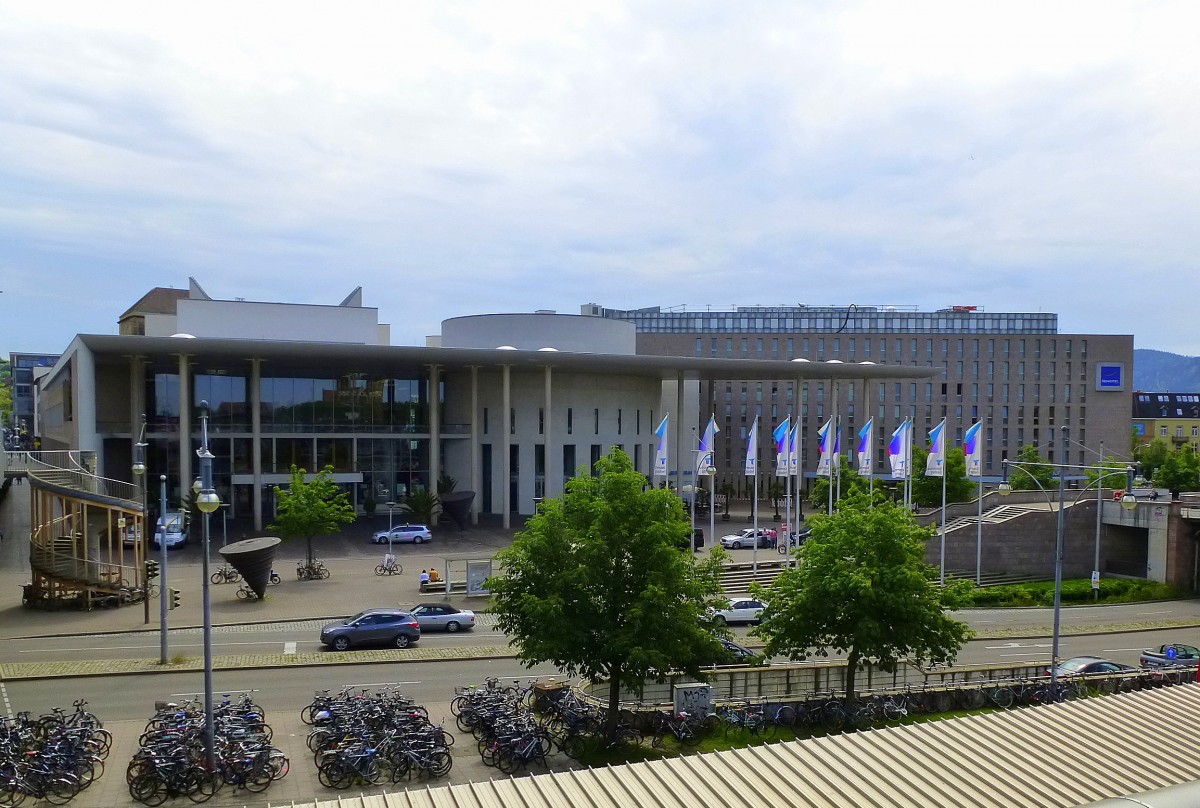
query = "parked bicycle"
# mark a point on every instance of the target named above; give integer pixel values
(390, 566)
(311, 572)
(225, 575)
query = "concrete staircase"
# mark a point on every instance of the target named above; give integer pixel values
(994, 516)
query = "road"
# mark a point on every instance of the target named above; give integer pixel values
(301, 636)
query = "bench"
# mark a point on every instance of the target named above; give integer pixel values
(440, 586)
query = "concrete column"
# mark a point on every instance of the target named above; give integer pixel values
(435, 427)
(476, 471)
(84, 392)
(505, 430)
(548, 440)
(185, 429)
(677, 427)
(256, 441)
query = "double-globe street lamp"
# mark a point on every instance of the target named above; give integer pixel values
(208, 502)
(1128, 502)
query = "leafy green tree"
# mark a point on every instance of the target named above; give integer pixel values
(1179, 472)
(862, 588)
(421, 506)
(599, 584)
(1026, 478)
(308, 508)
(1115, 474)
(818, 489)
(928, 490)
(1151, 456)
(6, 392)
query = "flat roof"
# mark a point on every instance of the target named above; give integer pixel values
(396, 358)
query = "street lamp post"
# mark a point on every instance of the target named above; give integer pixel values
(1128, 502)
(207, 501)
(140, 541)
(391, 506)
(162, 571)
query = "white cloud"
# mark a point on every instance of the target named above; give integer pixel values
(492, 156)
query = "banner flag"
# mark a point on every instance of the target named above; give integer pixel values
(866, 451)
(781, 446)
(752, 450)
(935, 465)
(973, 449)
(900, 451)
(660, 457)
(707, 442)
(793, 450)
(825, 447)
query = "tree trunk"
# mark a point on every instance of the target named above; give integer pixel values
(614, 705)
(851, 670)
(308, 559)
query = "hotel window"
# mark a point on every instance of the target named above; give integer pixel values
(1162, 431)
(570, 421)
(512, 421)
(699, 346)
(541, 420)
(596, 419)
(618, 420)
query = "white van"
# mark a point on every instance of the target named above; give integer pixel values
(175, 532)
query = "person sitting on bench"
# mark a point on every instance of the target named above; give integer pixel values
(424, 577)
(433, 576)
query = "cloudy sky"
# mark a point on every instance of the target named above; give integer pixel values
(456, 158)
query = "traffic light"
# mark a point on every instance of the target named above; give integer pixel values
(174, 595)
(151, 569)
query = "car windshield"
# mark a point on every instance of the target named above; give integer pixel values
(355, 617)
(1076, 664)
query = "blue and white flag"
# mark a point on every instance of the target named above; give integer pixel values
(973, 449)
(935, 465)
(707, 441)
(781, 446)
(836, 458)
(825, 447)
(866, 452)
(900, 451)
(660, 457)
(794, 450)
(752, 450)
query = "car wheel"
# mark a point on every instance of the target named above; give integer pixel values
(737, 545)
(402, 641)
(341, 643)
(452, 626)
(417, 539)
(719, 619)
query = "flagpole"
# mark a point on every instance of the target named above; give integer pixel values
(979, 533)
(787, 484)
(943, 572)
(754, 557)
(692, 498)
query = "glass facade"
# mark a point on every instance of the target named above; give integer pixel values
(358, 423)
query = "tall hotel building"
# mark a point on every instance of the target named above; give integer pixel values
(1013, 371)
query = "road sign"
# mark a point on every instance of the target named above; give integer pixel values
(1095, 579)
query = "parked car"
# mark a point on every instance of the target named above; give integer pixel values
(740, 610)
(740, 654)
(442, 617)
(373, 627)
(1089, 666)
(404, 533)
(766, 538)
(1169, 655)
(174, 534)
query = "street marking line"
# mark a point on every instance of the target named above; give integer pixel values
(289, 647)
(1164, 611)
(135, 647)
(7, 704)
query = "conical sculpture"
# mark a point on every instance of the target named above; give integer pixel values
(253, 558)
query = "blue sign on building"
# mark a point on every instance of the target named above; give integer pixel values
(1110, 376)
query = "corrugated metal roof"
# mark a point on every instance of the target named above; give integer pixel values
(1044, 757)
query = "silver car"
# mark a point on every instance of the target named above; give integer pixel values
(442, 617)
(417, 534)
(373, 627)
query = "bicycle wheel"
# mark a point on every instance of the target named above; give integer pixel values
(440, 764)
(401, 768)
(11, 794)
(199, 785)
(258, 778)
(764, 729)
(60, 790)
(217, 578)
(322, 573)
(508, 763)
(149, 789)
(335, 774)
(380, 569)
(690, 734)
(785, 716)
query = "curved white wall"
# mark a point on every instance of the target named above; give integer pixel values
(529, 332)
